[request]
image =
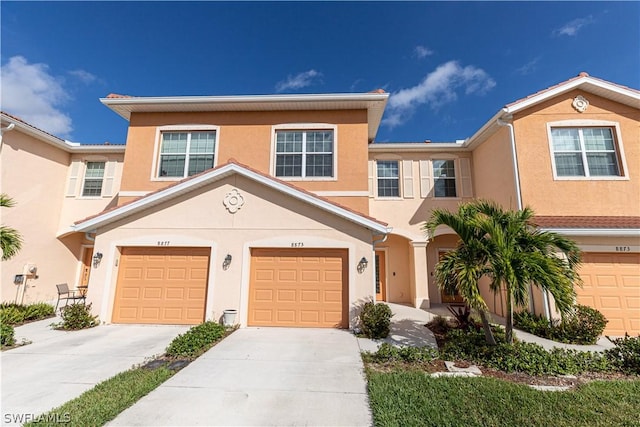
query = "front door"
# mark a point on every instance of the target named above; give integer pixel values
(86, 268)
(449, 298)
(381, 277)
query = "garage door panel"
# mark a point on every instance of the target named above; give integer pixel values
(161, 285)
(300, 288)
(612, 285)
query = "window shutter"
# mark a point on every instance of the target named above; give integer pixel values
(407, 179)
(372, 165)
(466, 189)
(107, 185)
(426, 180)
(72, 184)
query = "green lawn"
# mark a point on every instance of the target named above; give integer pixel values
(413, 398)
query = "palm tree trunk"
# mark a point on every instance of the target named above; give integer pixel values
(509, 327)
(488, 334)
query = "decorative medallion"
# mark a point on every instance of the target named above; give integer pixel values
(233, 201)
(580, 104)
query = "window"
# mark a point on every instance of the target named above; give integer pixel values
(444, 178)
(93, 177)
(304, 154)
(584, 152)
(186, 153)
(388, 178)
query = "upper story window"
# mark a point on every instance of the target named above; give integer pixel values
(584, 152)
(184, 154)
(444, 178)
(388, 176)
(93, 178)
(304, 153)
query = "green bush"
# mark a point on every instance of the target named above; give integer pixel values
(625, 356)
(11, 315)
(375, 320)
(389, 353)
(76, 316)
(583, 326)
(38, 311)
(520, 356)
(7, 335)
(196, 340)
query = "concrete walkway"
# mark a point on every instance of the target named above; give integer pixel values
(264, 376)
(59, 366)
(407, 329)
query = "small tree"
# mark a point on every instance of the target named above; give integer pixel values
(10, 238)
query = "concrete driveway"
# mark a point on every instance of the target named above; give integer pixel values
(264, 376)
(59, 366)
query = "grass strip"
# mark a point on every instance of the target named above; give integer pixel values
(106, 400)
(412, 398)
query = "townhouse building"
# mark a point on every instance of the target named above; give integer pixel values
(284, 208)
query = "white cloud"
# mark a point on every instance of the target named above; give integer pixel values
(84, 76)
(571, 28)
(34, 95)
(299, 81)
(422, 52)
(437, 88)
(529, 67)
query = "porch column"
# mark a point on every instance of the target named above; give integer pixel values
(419, 275)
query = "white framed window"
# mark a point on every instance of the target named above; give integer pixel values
(93, 179)
(304, 153)
(184, 153)
(388, 178)
(444, 178)
(585, 152)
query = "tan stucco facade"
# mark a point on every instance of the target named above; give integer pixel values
(268, 219)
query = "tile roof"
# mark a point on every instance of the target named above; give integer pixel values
(235, 162)
(116, 95)
(30, 125)
(587, 221)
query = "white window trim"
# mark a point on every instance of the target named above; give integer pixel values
(83, 171)
(457, 178)
(582, 124)
(180, 128)
(387, 158)
(304, 127)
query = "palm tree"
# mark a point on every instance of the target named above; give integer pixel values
(508, 248)
(461, 269)
(520, 255)
(10, 239)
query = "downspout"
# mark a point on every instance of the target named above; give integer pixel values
(6, 129)
(516, 174)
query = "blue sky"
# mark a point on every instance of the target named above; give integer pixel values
(449, 66)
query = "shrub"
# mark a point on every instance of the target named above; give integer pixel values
(389, 353)
(583, 326)
(38, 311)
(11, 315)
(375, 320)
(7, 335)
(196, 340)
(520, 356)
(625, 356)
(76, 316)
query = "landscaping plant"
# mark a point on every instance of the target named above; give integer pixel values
(583, 326)
(625, 356)
(76, 316)
(375, 319)
(7, 335)
(16, 314)
(196, 340)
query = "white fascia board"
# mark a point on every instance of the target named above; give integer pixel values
(212, 176)
(470, 142)
(418, 146)
(617, 232)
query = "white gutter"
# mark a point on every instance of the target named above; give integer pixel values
(6, 129)
(618, 232)
(514, 157)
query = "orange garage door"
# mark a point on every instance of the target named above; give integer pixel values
(298, 288)
(162, 286)
(612, 285)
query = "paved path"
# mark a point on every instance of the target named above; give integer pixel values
(59, 366)
(264, 376)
